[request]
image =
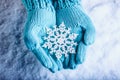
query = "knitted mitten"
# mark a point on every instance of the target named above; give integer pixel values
(71, 13)
(41, 14)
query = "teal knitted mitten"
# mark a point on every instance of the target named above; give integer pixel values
(71, 13)
(41, 14)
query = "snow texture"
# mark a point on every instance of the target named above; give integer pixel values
(102, 58)
(60, 41)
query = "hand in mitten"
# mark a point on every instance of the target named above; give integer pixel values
(41, 14)
(71, 13)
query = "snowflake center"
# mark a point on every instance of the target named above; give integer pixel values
(60, 40)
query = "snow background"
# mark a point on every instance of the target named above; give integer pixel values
(102, 59)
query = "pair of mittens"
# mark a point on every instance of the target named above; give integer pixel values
(42, 15)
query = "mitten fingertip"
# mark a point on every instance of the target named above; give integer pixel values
(89, 36)
(81, 53)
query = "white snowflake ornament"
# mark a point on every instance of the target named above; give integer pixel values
(60, 41)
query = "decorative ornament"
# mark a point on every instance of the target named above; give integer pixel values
(60, 41)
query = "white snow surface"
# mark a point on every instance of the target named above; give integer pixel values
(102, 58)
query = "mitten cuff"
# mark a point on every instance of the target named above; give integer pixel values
(37, 4)
(66, 3)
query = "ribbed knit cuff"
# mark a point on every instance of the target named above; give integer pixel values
(59, 4)
(37, 4)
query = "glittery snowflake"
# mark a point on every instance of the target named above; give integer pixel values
(60, 41)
